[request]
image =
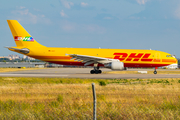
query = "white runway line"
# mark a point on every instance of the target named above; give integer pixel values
(31, 75)
(173, 74)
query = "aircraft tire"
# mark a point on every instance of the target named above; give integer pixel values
(92, 71)
(155, 72)
(99, 71)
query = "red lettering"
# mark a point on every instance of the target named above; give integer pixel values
(134, 56)
(145, 58)
(120, 56)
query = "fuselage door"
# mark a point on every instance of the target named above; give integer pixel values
(157, 57)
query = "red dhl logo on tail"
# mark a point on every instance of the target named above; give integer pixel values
(133, 57)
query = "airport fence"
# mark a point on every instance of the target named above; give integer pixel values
(75, 101)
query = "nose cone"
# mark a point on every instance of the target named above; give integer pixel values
(173, 64)
(175, 61)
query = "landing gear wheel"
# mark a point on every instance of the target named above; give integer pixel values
(97, 71)
(155, 72)
(92, 71)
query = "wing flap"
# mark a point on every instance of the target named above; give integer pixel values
(90, 59)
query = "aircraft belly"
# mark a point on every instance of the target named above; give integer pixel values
(125, 64)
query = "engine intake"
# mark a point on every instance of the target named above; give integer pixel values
(115, 65)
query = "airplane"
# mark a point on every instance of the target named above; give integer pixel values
(115, 59)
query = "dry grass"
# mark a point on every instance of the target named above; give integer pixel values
(17, 69)
(38, 98)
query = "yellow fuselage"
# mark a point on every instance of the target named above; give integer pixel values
(130, 57)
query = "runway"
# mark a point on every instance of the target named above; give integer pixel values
(82, 73)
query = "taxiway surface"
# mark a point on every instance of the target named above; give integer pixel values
(83, 73)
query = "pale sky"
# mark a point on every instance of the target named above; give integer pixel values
(119, 24)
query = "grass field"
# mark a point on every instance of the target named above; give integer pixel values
(64, 98)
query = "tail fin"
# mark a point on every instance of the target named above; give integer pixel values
(21, 37)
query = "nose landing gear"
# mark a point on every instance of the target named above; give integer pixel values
(155, 72)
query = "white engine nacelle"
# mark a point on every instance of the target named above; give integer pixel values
(115, 65)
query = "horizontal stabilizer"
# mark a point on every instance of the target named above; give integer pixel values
(24, 50)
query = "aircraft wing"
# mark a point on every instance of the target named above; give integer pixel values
(23, 50)
(90, 59)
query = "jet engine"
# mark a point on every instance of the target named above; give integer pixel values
(115, 65)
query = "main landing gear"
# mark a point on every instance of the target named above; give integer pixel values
(96, 70)
(155, 72)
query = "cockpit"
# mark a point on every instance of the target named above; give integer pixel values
(171, 56)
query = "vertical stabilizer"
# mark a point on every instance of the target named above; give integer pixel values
(21, 37)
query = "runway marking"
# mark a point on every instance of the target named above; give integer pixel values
(171, 74)
(31, 75)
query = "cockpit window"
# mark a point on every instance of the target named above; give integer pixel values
(168, 55)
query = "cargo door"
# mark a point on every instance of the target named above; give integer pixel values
(157, 57)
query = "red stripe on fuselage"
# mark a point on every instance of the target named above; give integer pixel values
(125, 64)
